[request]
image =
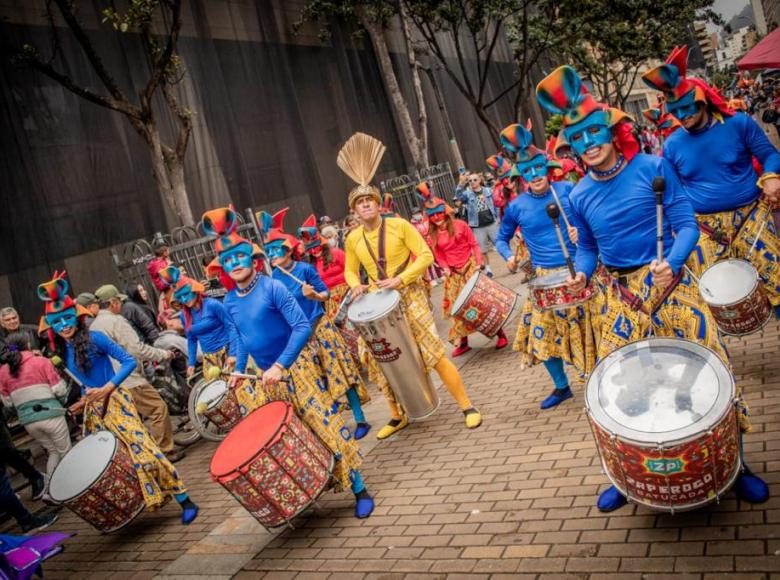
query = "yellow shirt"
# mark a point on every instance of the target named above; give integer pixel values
(401, 240)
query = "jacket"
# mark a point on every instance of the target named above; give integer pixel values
(469, 198)
(142, 319)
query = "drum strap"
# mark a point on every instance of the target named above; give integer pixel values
(381, 263)
(635, 303)
(719, 236)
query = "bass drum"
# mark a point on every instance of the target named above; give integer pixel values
(208, 428)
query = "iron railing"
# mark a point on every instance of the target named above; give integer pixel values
(402, 187)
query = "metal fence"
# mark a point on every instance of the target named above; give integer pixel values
(402, 187)
(188, 248)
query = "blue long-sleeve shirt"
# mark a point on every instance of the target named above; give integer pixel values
(529, 213)
(271, 326)
(715, 164)
(616, 219)
(211, 327)
(101, 350)
(308, 273)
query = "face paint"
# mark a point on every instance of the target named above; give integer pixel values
(533, 168)
(238, 257)
(185, 295)
(61, 321)
(590, 132)
(684, 107)
(276, 251)
(437, 218)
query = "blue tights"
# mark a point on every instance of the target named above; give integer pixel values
(354, 403)
(554, 366)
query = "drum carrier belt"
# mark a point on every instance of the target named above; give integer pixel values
(381, 263)
(619, 279)
(719, 236)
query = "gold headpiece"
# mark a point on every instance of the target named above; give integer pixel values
(359, 158)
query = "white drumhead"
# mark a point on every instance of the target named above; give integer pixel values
(659, 390)
(212, 393)
(728, 282)
(465, 291)
(551, 280)
(373, 306)
(82, 466)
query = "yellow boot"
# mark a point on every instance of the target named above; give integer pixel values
(473, 418)
(391, 429)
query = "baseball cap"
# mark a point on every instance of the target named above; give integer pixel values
(109, 291)
(86, 299)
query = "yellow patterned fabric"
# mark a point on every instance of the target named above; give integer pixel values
(453, 284)
(375, 374)
(215, 359)
(744, 223)
(336, 362)
(307, 391)
(158, 477)
(335, 296)
(566, 334)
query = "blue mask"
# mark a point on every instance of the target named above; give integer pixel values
(686, 106)
(592, 131)
(276, 250)
(238, 257)
(184, 295)
(61, 321)
(534, 168)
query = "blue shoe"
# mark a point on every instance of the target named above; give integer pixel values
(189, 514)
(751, 488)
(611, 499)
(557, 397)
(777, 312)
(364, 506)
(362, 430)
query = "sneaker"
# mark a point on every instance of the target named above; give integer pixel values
(38, 487)
(364, 506)
(751, 488)
(473, 418)
(501, 342)
(38, 523)
(610, 500)
(189, 514)
(557, 397)
(462, 349)
(176, 454)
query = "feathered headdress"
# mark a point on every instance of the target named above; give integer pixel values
(54, 294)
(359, 158)
(223, 223)
(430, 202)
(272, 229)
(502, 166)
(665, 122)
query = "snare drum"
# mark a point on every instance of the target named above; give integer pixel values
(664, 418)
(96, 481)
(219, 403)
(484, 305)
(550, 292)
(733, 291)
(273, 464)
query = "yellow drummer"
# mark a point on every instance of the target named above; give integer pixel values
(385, 246)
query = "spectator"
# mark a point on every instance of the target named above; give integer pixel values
(147, 400)
(89, 301)
(330, 235)
(10, 323)
(11, 456)
(138, 312)
(159, 262)
(11, 505)
(31, 384)
(481, 213)
(325, 221)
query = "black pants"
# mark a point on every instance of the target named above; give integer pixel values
(9, 503)
(10, 455)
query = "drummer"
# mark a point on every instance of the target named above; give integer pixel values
(384, 246)
(305, 284)
(665, 122)
(552, 337)
(456, 250)
(89, 356)
(275, 332)
(614, 210)
(724, 190)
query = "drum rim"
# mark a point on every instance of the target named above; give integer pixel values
(218, 400)
(669, 438)
(383, 315)
(534, 284)
(456, 306)
(102, 473)
(735, 302)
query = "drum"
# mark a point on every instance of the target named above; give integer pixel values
(379, 318)
(733, 291)
(96, 481)
(484, 305)
(272, 464)
(527, 268)
(664, 418)
(549, 292)
(219, 403)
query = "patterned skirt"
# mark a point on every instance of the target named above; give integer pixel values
(566, 334)
(335, 296)
(741, 225)
(337, 364)
(453, 284)
(158, 477)
(414, 301)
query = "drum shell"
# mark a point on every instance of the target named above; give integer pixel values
(392, 344)
(557, 296)
(487, 307)
(114, 499)
(700, 468)
(743, 316)
(227, 413)
(284, 477)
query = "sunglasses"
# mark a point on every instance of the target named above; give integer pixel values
(474, 180)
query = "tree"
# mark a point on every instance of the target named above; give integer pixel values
(374, 18)
(615, 39)
(165, 72)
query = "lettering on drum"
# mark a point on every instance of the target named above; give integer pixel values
(383, 351)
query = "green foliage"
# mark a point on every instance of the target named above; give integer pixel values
(325, 12)
(553, 125)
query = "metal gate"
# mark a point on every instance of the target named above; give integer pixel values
(403, 192)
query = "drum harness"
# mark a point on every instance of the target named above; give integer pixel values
(719, 236)
(381, 263)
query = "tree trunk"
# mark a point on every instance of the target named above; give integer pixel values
(393, 88)
(414, 66)
(179, 191)
(169, 176)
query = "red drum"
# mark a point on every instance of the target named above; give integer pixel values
(483, 304)
(549, 292)
(272, 464)
(97, 482)
(219, 403)
(664, 418)
(351, 338)
(733, 291)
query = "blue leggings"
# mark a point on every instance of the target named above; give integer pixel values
(354, 403)
(554, 366)
(357, 482)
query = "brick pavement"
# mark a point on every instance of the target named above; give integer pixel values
(512, 499)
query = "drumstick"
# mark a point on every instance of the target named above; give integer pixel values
(698, 281)
(563, 213)
(758, 235)
(659, 185)
(290, 274)
(251, 377)
(554, 212)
